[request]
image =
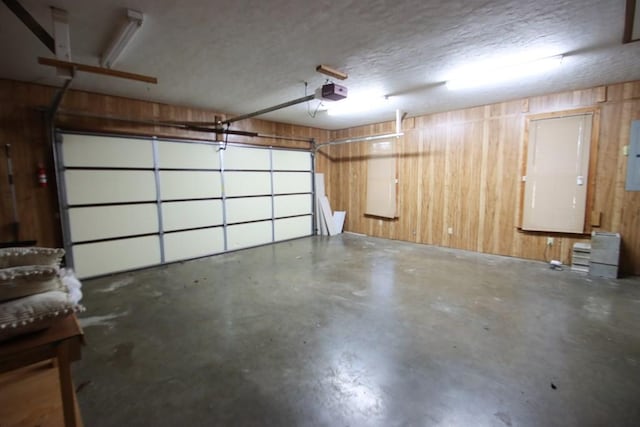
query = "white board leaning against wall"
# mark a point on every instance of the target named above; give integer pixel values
(131, 202)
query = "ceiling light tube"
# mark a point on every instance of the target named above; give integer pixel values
(122, 39)
(486, 77)
(355, 105)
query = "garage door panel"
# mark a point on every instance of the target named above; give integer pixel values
(104, 222)
(245, 235)
(193, 244)
(181, 155)
(291, 228)
(248, 209)
(245, 158)
(111, 186)
(94, 259)
(291, 182)
(291, 160)
(87, 187)
(247, 183)
(176, 185)
(297, 204)
(103, 151)
(191, 214)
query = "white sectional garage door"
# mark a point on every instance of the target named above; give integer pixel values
(131, 202)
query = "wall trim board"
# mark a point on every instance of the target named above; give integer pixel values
(562, 113)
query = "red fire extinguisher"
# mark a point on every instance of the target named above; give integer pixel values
(42, 176)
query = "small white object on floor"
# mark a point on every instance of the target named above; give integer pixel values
(327, 215)
(555, 264)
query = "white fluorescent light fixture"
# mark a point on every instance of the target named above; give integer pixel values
(486, 77)
(355, 105)
(122, 39)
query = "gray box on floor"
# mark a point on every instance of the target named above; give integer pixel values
(605, 254)
(603, 270)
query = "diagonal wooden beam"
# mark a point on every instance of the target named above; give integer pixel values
(96, 70)
(31, 23)
(630, 14)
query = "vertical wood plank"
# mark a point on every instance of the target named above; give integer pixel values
(482, 208)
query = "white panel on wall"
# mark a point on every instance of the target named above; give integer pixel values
(104, 222)
(103, 151)
(193, 243)
(291, 160)
(180, 155)
(191, 214)
(244, 158)
(556, 184)
(247, 183)
(245, 235)
(248, 209)
(291, 182)
(381, 180)
(189, 185)
(291, 228)
(105, 186)
(94, 259)
(297, 204)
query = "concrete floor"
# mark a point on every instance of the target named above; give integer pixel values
(359, 331)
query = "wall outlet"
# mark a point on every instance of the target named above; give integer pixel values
(450, 230)
(549, 241)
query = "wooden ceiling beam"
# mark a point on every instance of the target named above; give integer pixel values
(629, 19)
(31, 23)
(97, 70)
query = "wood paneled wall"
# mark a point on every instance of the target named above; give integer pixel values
(461, 170)
(457, 169)
(24, 127)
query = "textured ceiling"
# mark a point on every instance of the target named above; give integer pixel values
(241, 56)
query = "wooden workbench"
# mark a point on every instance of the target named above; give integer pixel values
(22, 358)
